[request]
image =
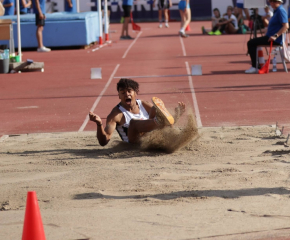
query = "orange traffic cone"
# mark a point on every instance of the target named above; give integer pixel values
(32, 228)
(261, 57)
(187, 29)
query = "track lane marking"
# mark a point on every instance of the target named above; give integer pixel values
(99, 98)
(182, 46)
(131, 45)
(154, 76)
(196, 109)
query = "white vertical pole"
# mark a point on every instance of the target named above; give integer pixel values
(78, 6)
(106, 21)
(100, 23)
(18, 31)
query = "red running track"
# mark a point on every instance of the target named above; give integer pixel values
(59, 99)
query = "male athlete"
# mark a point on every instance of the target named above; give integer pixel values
(133, 117)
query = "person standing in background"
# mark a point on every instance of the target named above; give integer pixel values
(240, 6)
(127, 6)
(39, 10)
(185, 14)
(163, 6)
(70, 6)
(24, 4)
(9, 6)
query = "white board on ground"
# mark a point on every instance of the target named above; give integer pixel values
(96, 73)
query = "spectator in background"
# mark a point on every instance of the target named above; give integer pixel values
(39, 10)
(267, 17)
(215, 20)
(9, 6)
(127, 6)
(24, 5)
(185, 14)
(240, 19)
(163, 6)
(229, 23)
(70, 6)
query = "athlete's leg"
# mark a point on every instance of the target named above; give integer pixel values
(125, 26)
(182, 16)
(138, 127)
(166, 14)
(230, 28)
(187, 17)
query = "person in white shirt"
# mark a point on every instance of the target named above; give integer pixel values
(132, 117)
(230, 23)
(268, 15)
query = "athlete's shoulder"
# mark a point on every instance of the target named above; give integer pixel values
(115, 115)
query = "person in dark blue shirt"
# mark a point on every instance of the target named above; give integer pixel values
(39, 10)
(70, 6)
(24, 4)
(277, 26)
(127, 6)
(9, 6)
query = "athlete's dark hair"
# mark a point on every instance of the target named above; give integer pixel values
(128, 83)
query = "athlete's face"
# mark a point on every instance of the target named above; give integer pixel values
(127, 96)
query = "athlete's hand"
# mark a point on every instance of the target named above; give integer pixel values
(95, 118)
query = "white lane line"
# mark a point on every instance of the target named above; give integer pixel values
(99, 98)
(131, 45)
(154, 76)
(27, 107)
(196, 109)
(2, 139)
(182, 45)
(101, 46)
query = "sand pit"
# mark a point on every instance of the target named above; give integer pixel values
(228, 183)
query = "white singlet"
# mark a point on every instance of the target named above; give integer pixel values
(123, 130)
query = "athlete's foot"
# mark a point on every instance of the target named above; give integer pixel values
(162, 117)
(179, 110)
(182, 34)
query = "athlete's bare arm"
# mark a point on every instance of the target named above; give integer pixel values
(104, 134)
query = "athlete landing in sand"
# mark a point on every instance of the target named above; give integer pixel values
(133, 117)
